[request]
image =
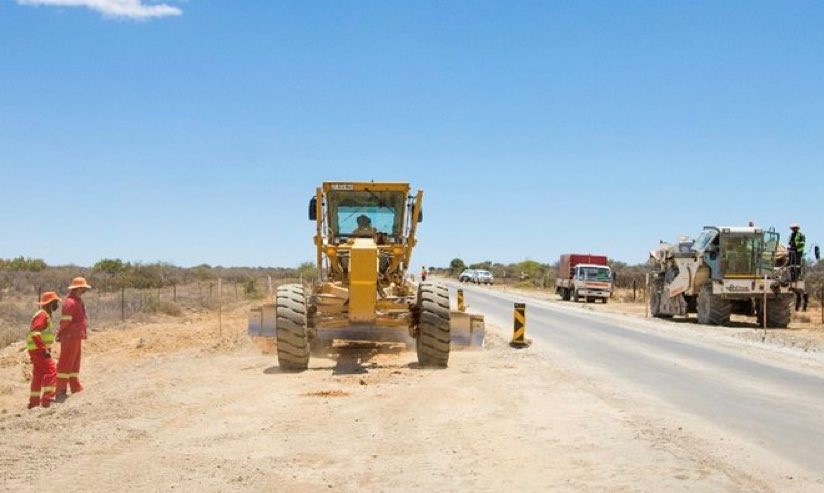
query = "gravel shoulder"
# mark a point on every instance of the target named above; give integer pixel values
(178, 405)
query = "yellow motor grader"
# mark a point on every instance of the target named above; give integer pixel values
(365, 234)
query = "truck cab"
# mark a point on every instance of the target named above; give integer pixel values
(592, 282)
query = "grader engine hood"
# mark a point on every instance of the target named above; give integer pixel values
(363, 281)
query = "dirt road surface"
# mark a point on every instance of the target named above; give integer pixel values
(173, 406)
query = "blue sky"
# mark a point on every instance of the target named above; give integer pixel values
(534, 128)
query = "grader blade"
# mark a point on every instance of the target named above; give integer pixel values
(468, 330)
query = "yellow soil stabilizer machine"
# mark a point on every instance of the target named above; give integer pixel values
(365, 234)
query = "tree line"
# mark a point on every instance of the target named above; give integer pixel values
(626, 275)
(23, 274)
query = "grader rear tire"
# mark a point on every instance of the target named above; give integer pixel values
(712, 309)
(433, 326)
(292, 332)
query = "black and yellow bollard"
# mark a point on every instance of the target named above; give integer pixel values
(519, 328)
(461, 303)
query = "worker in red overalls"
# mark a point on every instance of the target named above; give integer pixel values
(73, 325)
(39, 342)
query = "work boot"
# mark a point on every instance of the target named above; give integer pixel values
(60, 397)
(33, 405)
(74, 385)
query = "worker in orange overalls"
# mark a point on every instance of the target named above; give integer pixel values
(73, 326)
(39, 342)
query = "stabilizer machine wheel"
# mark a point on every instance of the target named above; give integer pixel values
(712, 309)
(434, 337)
(292, 331)
(779, 311)
(656, 289)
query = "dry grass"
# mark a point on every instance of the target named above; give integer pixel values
(110, 308)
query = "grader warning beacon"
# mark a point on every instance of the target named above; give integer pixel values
(365, 234)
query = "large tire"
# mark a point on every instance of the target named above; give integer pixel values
(575, 296)
(712, 309)
(656, 289)
(433, 325)
(292, 331)
(779, 311)
(565, 294)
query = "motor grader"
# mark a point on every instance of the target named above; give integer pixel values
(725, 271)
(365, 233)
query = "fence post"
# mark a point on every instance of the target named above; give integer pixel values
(645, 293)
(210, 290)
(764, 308)
(634, 287)
(821, 302)
(174, 292)
(122, 304)
(271, 289)
(219, 309)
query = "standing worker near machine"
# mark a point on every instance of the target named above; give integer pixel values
(38, 343)
(423, 274)
(73, 326)
(796, 247)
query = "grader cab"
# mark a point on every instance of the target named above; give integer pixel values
(365, 235)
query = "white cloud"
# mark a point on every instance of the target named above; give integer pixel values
(132, 9)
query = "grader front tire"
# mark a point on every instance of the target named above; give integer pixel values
(433, 325)
(292, 331)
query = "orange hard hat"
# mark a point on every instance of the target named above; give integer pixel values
(79, 282)
(794, 226)
(48, 297)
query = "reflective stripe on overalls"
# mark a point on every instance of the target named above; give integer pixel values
(46, 335)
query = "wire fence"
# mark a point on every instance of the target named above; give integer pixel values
(112, 308)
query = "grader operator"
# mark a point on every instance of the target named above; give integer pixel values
(364, 237)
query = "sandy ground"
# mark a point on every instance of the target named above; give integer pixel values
(806, 332)
(174, 405)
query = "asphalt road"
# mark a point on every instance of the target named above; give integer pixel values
(775, 408)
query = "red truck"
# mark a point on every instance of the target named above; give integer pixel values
(583, 276)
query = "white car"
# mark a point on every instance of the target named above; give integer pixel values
(482, 277)
(466, 275)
